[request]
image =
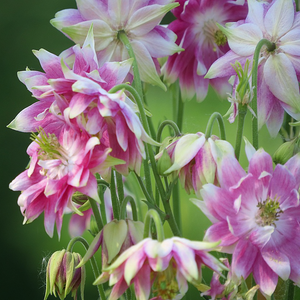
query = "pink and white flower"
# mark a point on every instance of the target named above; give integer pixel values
(59, 167)
(191, 157)
(198, 33)
(138, 19)
(256, 216)
(163, 266)
(279, 69)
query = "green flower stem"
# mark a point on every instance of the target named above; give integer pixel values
(93, 261)
(114, 197)
(136, 75)
(102, 185)
(180, 110)
(240, 128)
(270, 47)
(153, 214)
(120, 186)
(165, 123)
(176, 205)
(145, 191)
(96, 213)
(281, 291)
(215, 116)
(123, 211)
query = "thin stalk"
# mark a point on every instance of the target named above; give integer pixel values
(94, 265)
(215, 116)
(270, 47)
(180, 111)
(145, 191)
(133, 207)
(102, 204)
(114, 197)
(165, 123)
(240, 129)
(153, 214)
(96, 213)
(120, 186)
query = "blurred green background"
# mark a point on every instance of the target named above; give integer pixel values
(24, 25)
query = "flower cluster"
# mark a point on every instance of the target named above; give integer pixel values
(90, 130)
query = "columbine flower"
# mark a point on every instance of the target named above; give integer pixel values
(58, 99)
(165, 266)
(191, 157)
(277, 86)
(62, 276)
(256, 216)
(59, 167)
(203, 42)
(138, 19)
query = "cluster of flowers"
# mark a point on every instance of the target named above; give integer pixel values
(84, 133)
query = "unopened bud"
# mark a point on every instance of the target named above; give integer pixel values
(62, 277)
(286, 151)
(164, 163)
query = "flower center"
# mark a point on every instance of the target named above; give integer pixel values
(214, 34)
(50, 149)
(269, 211)
(165, 285)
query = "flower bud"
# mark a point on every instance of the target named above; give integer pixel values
(286, 151)
(62, 277)
(164, 163)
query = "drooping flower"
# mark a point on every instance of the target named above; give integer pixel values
(138, 19)
(198, 33)
(256, 216)
(163, 266)
(59, 167)
(278, 69)
(115, 238)
(191, 157)
(62, 276)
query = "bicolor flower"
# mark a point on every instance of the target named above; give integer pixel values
(191, 158)
(256, 216)
(278, 70)
(165, 267)
(59, 167)
(138, 19)
(55, 90)
(62, 276)
(198, 33)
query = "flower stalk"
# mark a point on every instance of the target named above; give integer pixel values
(215, 116)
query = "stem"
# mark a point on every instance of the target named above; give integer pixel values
(146, 194)
(215, 116)
(96, 214)
(102, 204)
(165, 123)
(176, 204)
(270, 47)
(120, 186)
(180, 110)
(133, 206)
(114, 197)
(239, 135)
(136, 75)
(153, 214)
(94, 265)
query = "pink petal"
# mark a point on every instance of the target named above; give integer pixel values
(264, 276)
(243, 258)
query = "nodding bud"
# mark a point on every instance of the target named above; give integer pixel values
(286, 151)
(62, 277)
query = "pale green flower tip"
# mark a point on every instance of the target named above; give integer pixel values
(12, 125)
